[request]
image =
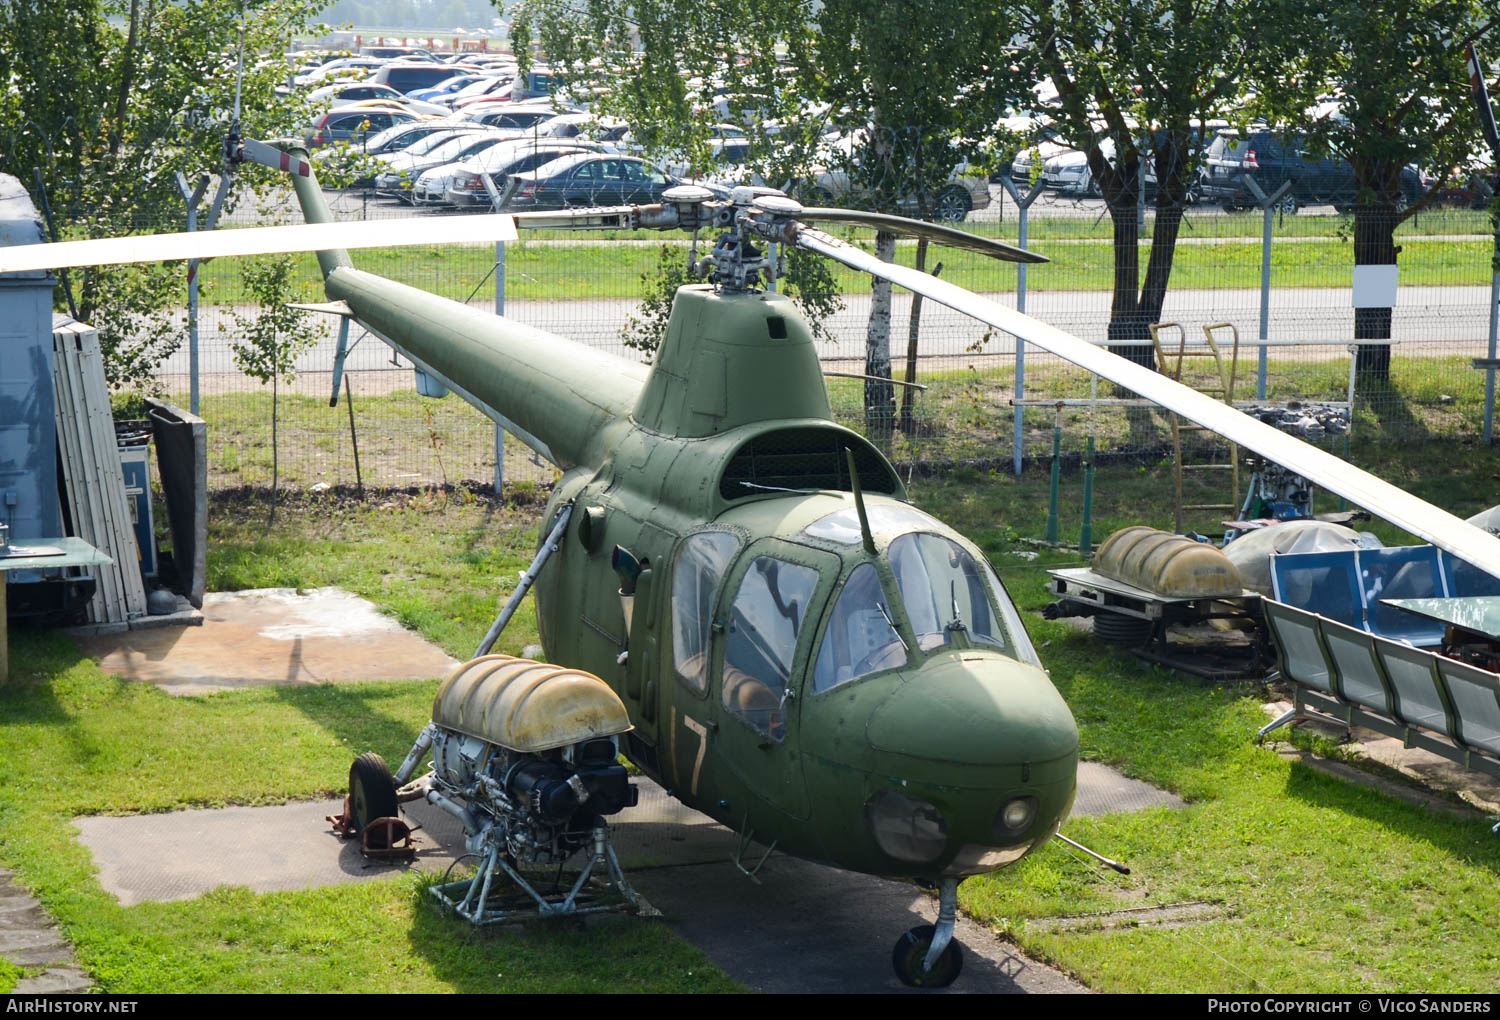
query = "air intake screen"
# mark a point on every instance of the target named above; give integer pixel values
(804, 458)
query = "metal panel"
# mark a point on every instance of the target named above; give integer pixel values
(91, 468)
(1295, 632)
(1475, 694)
(1413, 675)
(28, 460)
(1401, 572)
(1323, 582)
(1359, 679)
(182, 459)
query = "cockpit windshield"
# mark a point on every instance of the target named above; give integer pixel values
(860, 638)
(944, 590)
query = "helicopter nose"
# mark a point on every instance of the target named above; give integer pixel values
(975, 708)
(960, 765)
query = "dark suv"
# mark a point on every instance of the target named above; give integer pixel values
(1271, 159)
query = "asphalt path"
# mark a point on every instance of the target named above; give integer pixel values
(1428, 320)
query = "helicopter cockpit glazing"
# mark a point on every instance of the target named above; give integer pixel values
(765, 623)
(945, 590)
(701, 566)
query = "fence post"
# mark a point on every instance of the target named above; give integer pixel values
(1266, 203)
(1489, 373)
(192, 196)
(498, 203)
(1023, 204)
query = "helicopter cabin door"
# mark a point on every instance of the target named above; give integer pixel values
(768, 615)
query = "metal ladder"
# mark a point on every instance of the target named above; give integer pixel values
(1170, 362)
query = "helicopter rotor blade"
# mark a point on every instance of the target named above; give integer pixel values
(1381, 498)
(204, 244)
(936, 232)
(615, 217)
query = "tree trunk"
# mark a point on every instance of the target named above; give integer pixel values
(912, 336)
(1121, 189)
(1126, 319)
(880, 399)
(1374, 245)
(127, 75)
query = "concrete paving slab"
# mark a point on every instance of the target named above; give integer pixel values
(803, 928)
(163, 857)
(28, 938)
(1103, 791)
(271, 636)
(809, 928)
(184, 854)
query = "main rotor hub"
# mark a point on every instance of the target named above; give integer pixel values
(737, 264)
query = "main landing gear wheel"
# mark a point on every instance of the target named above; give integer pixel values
(911, 952)
(372, 791)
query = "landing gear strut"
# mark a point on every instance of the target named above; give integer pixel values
(926, 956)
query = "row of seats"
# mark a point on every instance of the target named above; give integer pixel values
(1348, 585)
(1342, 666)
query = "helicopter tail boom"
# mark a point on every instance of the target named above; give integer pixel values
(554, 394)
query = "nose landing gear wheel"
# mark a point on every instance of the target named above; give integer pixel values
(911, 952)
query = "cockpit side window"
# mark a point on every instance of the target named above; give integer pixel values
(764, 624)
(943, 587)
(700, 570)
(860, 639)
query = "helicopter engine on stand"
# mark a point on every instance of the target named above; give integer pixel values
(524, 755)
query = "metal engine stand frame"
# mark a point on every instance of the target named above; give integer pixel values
(481, 901)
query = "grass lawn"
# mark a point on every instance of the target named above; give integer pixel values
(75, 741)
(1311, 884)
(587, 269)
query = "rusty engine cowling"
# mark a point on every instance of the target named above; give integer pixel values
(1167, 564)
(530, 749)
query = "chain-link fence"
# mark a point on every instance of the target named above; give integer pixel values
(1296, 294)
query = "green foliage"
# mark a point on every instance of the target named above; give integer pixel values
(112, 99)
(919, 73)
(646, 328)
(267, 341)
(809, 281)
(1135, 80)
(1398, 69)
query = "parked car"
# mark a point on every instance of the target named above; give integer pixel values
(519, 116)
(589, 179)
(406, 78)
(345, 92)
(961, 194)
(466, 180)
(487, 85)
(343, 68)
(1069, 173)
(446, 87)
(407, 166)
(346, 158)
(353, 124)
(398, 53)
(1270, 159)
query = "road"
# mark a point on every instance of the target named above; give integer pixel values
(1428, 320)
